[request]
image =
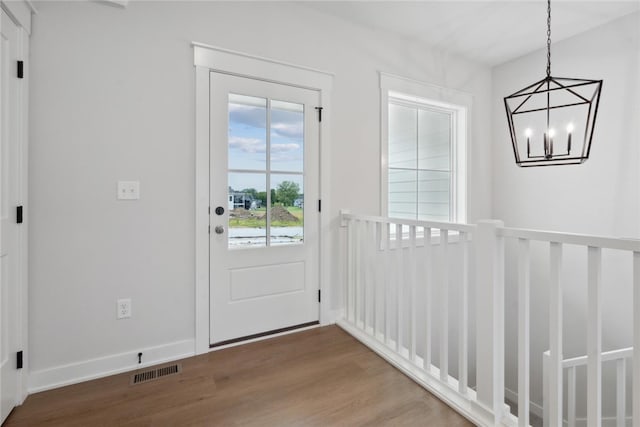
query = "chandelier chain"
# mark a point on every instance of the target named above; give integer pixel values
(548, 38)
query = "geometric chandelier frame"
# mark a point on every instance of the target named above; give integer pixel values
(551, 122)
(578, 93)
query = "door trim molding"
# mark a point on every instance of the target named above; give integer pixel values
(20, 14)
(204, 53)
(209, 59)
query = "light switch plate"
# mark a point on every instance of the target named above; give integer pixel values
(128, 190)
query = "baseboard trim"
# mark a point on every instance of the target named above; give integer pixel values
(73, 373)
(534, 408)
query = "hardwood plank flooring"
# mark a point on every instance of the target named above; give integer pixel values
(319, 377)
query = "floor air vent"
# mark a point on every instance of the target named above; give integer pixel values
(155, 373)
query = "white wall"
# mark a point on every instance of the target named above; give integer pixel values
(602, 196)
(113, 98)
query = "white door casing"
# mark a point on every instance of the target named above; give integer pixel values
(209, 59)
(10, 234)
(263, 279)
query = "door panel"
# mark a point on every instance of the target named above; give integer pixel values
(9, 161)
(264, 246)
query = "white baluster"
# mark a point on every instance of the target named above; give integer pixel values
(350, 271)
(594, 337)
(387, 284)
(412, 293)
(375, 280)
(398, 287)
(546, 368)
(364, 268)
(444, 305)
(523, 331)
(621, 395)
(636, 339)
(428, 283)
(357, 300)
(463, 313)
(555, 336)
(571, 397)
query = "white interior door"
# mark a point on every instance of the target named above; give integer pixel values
(9, 254)
(264, 208)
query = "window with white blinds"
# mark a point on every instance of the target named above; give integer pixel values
(421, 161)
(423, 155)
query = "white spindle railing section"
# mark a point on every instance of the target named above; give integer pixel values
(618, 357)
(397, 272)
(553, 360)
(401, 275)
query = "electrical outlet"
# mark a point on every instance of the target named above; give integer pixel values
(128, 190)
(123, 308)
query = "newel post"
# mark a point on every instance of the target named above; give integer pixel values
(489, 250)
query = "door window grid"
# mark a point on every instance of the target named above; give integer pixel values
(266, 206)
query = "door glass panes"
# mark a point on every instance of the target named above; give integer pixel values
(247, 200)
(265, 177)
(287, 211)
(247, 132)
(287, 136)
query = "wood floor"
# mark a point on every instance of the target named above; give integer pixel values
(319, 377)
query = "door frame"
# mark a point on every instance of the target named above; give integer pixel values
(20, 13)
(210, 58)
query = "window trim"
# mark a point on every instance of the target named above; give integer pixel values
(451, 100)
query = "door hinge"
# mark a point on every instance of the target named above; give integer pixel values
(209, 210)
(319, 113)
(20, 69)
(209, 231)
(319, 295)
(319, 205)
(19, 215)
(19, 360)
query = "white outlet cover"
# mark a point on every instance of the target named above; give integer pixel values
(128, 190)
(123, 308)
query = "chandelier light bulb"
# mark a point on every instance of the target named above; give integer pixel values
(570, 128)
(552, 133)
(528, 132)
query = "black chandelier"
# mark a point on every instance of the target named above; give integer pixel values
(551, 121)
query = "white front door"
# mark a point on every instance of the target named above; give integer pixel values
(264, 220)
(9, 261)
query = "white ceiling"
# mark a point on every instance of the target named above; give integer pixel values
(492, 32)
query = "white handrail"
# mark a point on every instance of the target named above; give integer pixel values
(607, 356)
(623, 244)
(409, 222)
